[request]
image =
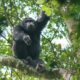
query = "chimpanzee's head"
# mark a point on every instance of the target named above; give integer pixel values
(29, 24)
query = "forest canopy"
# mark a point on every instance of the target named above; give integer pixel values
(64, 26)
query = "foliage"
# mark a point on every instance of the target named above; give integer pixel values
(13, 11)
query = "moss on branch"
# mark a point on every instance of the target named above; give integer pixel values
(18, 64)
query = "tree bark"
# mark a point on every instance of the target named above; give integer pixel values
(29, 70)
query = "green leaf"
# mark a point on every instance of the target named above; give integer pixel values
(47, 10)
(40, 1)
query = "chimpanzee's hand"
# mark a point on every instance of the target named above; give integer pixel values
(27, 39)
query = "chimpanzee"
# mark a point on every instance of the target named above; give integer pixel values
(26, 37)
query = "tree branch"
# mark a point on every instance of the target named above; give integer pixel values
(29, 70)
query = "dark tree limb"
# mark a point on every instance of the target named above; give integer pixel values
(29, 70)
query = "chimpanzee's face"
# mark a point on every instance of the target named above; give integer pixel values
(29, 24)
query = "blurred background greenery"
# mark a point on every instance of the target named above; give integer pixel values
(60, 40)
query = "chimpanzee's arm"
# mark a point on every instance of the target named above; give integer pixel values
(42, 21)
(19, 35)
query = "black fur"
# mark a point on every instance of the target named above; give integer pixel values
(26, 37)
